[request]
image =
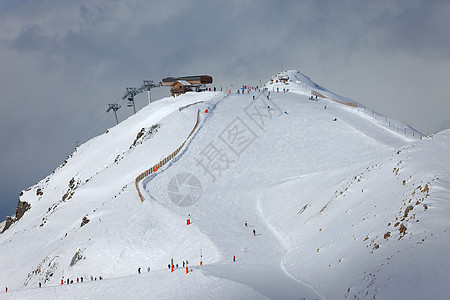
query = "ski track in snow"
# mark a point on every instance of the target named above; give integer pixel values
(320, 195)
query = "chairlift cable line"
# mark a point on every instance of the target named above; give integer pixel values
(98, 119)
(70, 150)
(101, 125)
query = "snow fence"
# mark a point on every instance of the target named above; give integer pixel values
(164, 160)
(316, 93)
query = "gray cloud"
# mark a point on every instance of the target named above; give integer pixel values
(66, 60)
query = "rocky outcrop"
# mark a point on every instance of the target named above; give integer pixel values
(2, 225)
(22, 207)
(84, 221)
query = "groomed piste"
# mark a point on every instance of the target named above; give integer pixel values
(314, 199)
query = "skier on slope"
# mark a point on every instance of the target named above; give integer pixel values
(254, 232)
(139, 270)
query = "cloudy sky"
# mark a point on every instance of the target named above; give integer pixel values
(62, 62)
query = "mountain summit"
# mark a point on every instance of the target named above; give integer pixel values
(286, 191)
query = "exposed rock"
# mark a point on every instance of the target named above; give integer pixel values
(144, 134)
(22, 207)
(84, 221)
(44, 271)
(8, 222)
(78, 256)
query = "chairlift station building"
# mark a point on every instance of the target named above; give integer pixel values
(181, 85)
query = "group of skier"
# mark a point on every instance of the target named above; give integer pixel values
(81, 279)
(254, 234)
(78, 280)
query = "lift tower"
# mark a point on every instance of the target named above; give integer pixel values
(131, 92)
(147, 85)
(115, 107)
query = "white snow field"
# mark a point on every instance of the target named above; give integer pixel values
(356, 208)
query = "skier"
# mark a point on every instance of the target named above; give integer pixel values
(40, 284)
(168, 266)
(334, 119)
(78, 280)
(234, 258)
(177, 266)
(245, 224)
(148, 269)
(253, 97)
(6, 289)
(254, 232)
(139, 270)
(81, 278)
(268, 97)
(325, 107)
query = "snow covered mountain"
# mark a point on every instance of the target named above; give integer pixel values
(315, 198)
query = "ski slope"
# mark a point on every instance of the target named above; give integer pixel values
(350, 208)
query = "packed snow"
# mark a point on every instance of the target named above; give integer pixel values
(312, 198)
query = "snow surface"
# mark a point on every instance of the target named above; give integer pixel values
(352, 208)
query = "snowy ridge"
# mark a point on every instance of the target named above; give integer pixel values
(299, 83)
(350, 208)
